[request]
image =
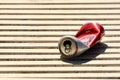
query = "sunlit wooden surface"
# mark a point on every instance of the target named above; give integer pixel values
(29, 34)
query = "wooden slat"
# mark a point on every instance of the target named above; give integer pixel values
(67, 75)
(53, 22)
(61, 1)
(60, 69)
(58, 17)
(62, 6)
(93, 62)
(53, 12)
(29, 39)
(52, 28)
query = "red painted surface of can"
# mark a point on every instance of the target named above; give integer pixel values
(90, 33)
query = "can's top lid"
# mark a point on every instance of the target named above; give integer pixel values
(68, 46)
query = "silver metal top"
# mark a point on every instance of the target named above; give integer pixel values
(71, 46)
(67, 46)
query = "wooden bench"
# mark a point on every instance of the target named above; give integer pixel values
(29, 34)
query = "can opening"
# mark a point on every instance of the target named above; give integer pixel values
(67, 44)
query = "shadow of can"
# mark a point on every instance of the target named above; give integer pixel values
(89, 55)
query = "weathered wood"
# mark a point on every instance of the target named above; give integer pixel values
(59, 17)
(30, 31)
(61, 6)
(60, 69)
(61, 1)
(53, 12)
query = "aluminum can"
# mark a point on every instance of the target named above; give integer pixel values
(86, 37)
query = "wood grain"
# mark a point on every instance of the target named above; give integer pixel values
(30, 31)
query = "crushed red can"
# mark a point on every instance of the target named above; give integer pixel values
(87, 36)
